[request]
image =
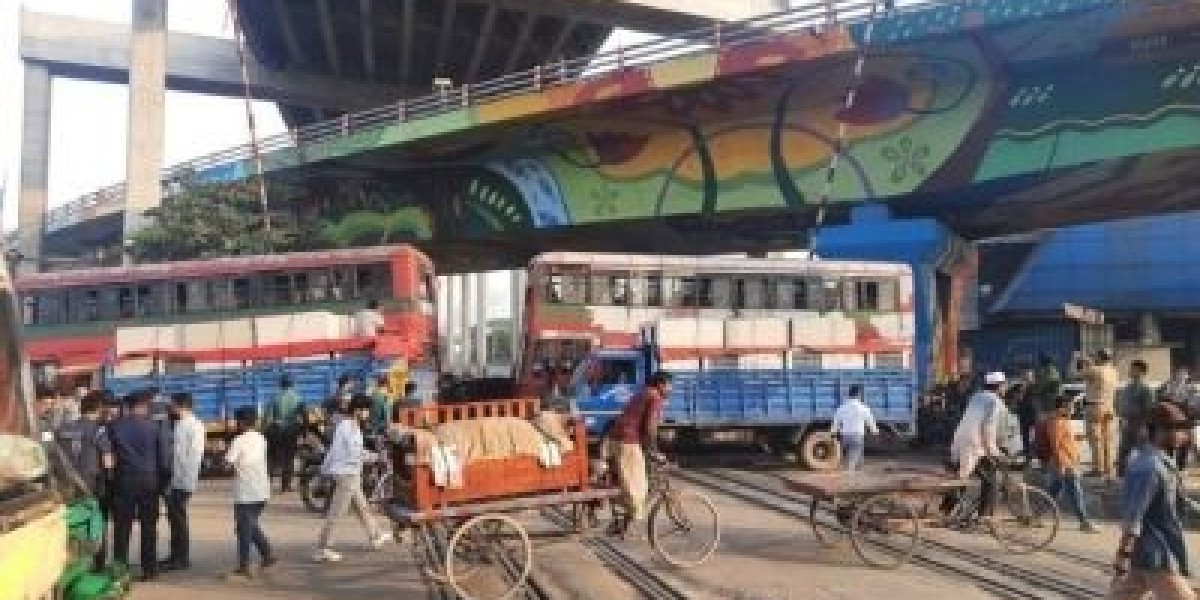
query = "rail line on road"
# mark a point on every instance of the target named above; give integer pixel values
(430, 548)
(644, 580)
(1000, 578)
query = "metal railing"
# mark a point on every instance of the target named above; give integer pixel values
(815, 18)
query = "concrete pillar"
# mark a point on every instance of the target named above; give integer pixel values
(452, 326)
(517, 316)
(466, 308)
(33, 194)
(481, 323)
(147, 111)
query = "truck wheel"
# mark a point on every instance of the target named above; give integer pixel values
(819, 451)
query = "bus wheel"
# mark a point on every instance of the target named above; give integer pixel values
(819, 451)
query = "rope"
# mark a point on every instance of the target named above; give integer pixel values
(255, 149)
(860, 61)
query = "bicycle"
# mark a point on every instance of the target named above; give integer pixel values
(677, 517)
(1024, 517)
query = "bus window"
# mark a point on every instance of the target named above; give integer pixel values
(341, 287)
(300, 293)
(554, 289)
(85, 306)
(801, 299)
(150, 300)
(364, 283)
(179, 298)
(694, 292)
(242, 295)
(601, 290)
(277, 289)
(654, 290)
(831, 295)
(126, 307)
(866, 295)
(29, 310)
(318, 290)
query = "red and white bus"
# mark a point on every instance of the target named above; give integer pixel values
(218, 312)
(757, 311)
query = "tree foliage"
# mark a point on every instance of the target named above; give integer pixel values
(208, 220)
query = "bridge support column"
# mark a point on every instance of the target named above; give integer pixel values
(481, 324)
(942, 263)
(33, 194)
(517, 317)
(147, 111)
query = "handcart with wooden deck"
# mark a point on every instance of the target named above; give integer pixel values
(481, 546)
(882, 514)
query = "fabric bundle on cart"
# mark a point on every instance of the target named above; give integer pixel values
(449, 447)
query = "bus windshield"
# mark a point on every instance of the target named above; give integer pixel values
(22, 460)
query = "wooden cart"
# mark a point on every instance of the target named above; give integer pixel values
(882, 513)
(473, 526)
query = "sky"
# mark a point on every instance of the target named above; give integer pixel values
(88, 120)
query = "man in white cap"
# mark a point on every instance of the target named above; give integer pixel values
(976, 440)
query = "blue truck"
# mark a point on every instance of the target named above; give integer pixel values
(217, 393)
(788, 409)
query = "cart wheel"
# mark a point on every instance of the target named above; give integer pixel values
(494, 543)
(829, 534)
(583, 516)
(885, 532)
(1025, 520)
(684, 528)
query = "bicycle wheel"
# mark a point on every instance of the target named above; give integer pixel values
(885, 532)
(684, 528)
(829, 534)
(316, 491)
(1026, 519)
(489, 556)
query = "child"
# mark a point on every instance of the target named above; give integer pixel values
(247, 455)
(1063, 467)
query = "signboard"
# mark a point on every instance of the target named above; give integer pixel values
(1089, 316)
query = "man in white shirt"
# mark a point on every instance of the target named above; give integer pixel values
(247, 455)
(368, 322)
(851, 423)
(343, 464)
(187, 452)
(976, 442)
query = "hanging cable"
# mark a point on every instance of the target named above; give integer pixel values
(860, 61)
(255, 149)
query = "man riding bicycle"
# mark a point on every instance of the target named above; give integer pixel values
(975, 449)
(632, 436)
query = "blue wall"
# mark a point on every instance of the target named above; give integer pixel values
(1150, 263)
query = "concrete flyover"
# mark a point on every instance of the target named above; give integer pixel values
(969, 113)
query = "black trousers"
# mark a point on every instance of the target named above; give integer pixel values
(177, 501)
(249, 532)
(136, 497)
(282, 449)
(103, 490)
(986, 470)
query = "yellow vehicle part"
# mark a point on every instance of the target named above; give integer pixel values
(34, 553)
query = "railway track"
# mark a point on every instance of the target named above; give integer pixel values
(643, 579)
(430, 547)
(1000, 578)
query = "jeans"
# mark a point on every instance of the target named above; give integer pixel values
(136, 496)
(852, 449)
(347, 495)
(177, 501)
(1068, 484)
(249, 532)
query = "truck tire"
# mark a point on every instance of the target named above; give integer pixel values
(819, 451)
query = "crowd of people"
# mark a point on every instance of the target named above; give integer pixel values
(141, 457)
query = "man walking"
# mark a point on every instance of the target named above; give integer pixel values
(851, 423)
(188, 442)
(1181, 391)
(283, 432)
(1063, 469)
(86, 442)
(1100, 392)
(634, 434)
(1134, 404)
(1152, 554)
(140, 457)
(247, 455)
(344, 462)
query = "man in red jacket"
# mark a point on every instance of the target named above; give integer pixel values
(633, 435)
